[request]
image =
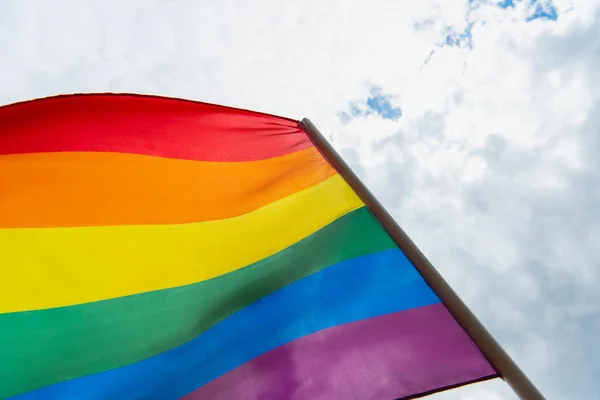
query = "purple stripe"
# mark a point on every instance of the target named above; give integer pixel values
(394, 356)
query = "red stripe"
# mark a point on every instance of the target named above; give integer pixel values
(147, 125)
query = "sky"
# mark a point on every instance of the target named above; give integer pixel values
(476, 123)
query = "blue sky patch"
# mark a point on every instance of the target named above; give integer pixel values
(542, 9)
(461, 39)
(506, 4)
(376, 103)
(382, 106)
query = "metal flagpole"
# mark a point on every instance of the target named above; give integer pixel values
(501, 361)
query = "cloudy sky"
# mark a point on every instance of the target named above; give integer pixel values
(476, 123)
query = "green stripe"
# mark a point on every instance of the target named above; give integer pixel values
(38, 348)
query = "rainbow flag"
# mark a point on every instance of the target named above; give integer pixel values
(156, 248)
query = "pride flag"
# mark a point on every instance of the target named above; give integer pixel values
(155, 248)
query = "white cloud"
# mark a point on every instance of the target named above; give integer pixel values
(492, 168)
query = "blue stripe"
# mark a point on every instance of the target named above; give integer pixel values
(363, 287)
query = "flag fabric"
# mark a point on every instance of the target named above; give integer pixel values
(156, 248)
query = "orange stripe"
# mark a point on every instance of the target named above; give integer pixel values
(87, 189)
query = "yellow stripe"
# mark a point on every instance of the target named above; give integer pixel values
(51, 267)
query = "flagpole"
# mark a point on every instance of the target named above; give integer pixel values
(504, 365)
